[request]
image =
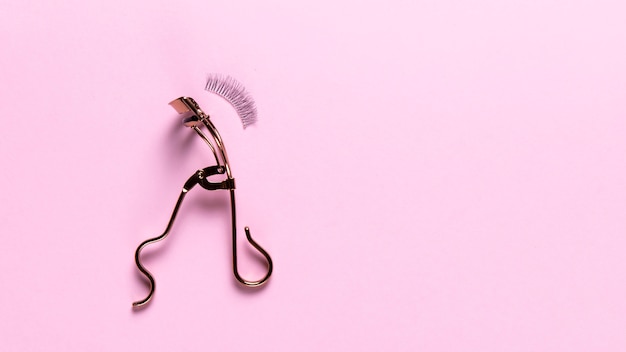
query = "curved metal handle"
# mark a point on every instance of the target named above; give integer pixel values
(142, 269)
(270, 264)
(268, 259)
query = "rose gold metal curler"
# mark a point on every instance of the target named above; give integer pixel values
(195, 118)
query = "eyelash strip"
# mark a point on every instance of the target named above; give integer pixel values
(236, 94)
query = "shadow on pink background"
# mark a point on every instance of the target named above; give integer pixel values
(427, 175)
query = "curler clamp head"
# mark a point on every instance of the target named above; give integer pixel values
(193, 115)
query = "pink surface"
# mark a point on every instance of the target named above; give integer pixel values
(427, 175)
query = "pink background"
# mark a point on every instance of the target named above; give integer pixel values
(427, 175)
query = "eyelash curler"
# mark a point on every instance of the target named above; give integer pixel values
(195, 118)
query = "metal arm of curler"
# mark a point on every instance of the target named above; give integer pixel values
(208, 142)
(233, 211)
(195, 118)
(142, 269)
(191, 182)
(186, 105)
(268, 259)
(199, 177)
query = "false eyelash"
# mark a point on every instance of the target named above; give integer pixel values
(236, 94)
